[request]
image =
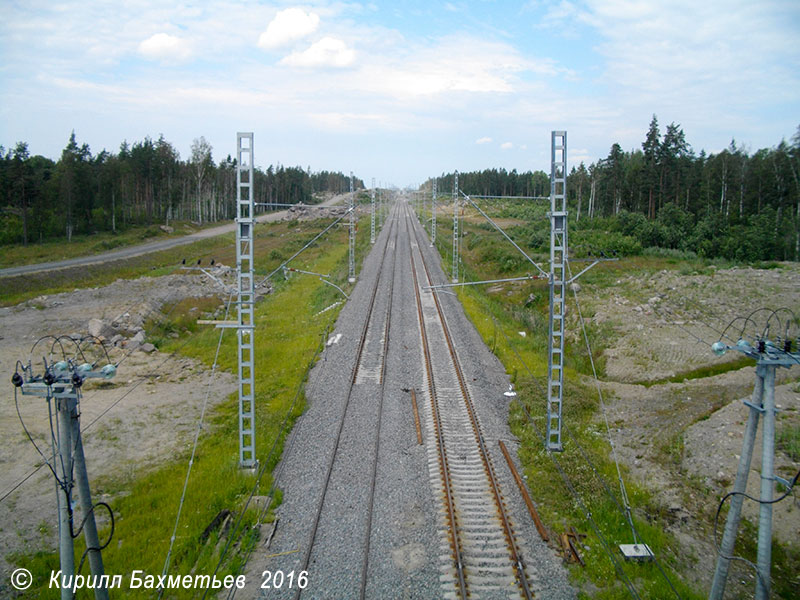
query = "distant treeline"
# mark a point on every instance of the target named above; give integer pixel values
(144, 183)
(736, 204)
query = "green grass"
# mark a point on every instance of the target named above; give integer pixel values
(703, 372)
(274, 242)
(145, 500)
(499, 313)
(512, 307)
(14, 255)
(788, 440)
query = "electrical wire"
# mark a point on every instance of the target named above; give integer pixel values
(57, 340)
(565, 478)
(717, 545)
(276, 475)
(102, 546)
(688, 332)
(583, 453)
(30, 438)
(504, 234)
(194, 451)
(293, 256)
(169, 357)
(684, 299)
(623, 491)
(587, 513)
(173, 355)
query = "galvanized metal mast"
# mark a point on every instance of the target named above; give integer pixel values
(352, 260)
(245, 219)
(433, 214)
(558, 258)
(62, 382)
(372, 217)
(455, 228)
(383, 208)
(769, 357)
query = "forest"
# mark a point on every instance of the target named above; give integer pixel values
(736, 204)
(144, 183)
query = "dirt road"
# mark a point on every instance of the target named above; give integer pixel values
(131, 251)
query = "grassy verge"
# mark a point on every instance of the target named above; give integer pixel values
(145, 501)
(274, 243)
(702, 372)
(87, 245)
(582, 480)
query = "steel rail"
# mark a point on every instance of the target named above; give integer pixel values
(516, 557)
(444, 469)
(371, 503)
(334, 452)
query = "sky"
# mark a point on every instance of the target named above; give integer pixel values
(398, 91)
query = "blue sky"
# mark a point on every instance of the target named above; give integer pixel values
(398, 91)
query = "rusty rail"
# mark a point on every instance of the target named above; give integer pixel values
(416, 416)
(525, 495)
(450, 508)
(516, 557)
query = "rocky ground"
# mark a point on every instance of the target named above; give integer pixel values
(683, 439)
(146, 414)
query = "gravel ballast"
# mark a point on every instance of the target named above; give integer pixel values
(405, 545)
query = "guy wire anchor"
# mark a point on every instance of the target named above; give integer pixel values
(637, 552)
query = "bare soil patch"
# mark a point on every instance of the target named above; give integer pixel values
(147, 414)
(683, 440)
(664, 322)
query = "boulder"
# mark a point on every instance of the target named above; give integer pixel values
(99, 328)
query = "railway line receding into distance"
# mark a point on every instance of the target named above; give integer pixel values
(368, 511)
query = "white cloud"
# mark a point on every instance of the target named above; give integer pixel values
(483, 140)
(165, 47)
(328, 52)
(288, 26)
(347, 121)
(455, 64)
(580, 155)
(506, 145)
(685, 53)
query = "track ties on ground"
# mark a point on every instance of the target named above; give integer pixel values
(481, 555)
(369, 368)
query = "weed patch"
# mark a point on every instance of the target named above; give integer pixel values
(145, 499)
(582, 491)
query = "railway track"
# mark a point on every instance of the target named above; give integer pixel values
(344, 521)
(368, 371)
(480, 554)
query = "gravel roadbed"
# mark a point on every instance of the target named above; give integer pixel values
(404, 543)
